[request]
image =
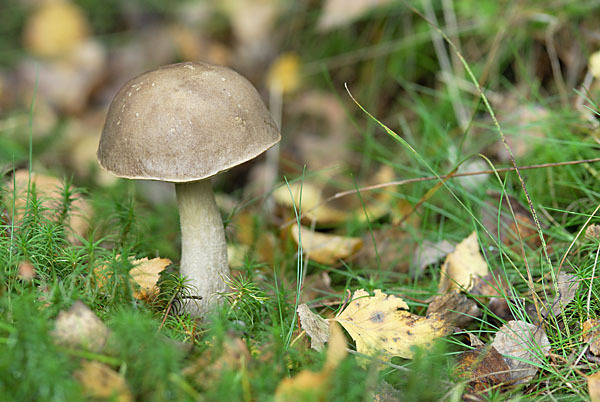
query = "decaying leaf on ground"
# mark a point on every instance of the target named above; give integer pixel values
(483, 367)
(455, 308)
(314, 385)
(341, 12)
(524, 347)
(316, 327)
(591, 335)
(428, 253)
(99, 381)
(567, 285)
(325, 248)
(463, 266)
(79, 327)
(381, 327)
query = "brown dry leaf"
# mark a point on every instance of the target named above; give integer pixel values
(26, 270)
(341, 12)
(455, 308)
(391, 246)
(483, 367)
(591, 335)
(308, 384)
(462, 266)
(79, 327)
(592, 231)
(49, 189)
(316, 327)
(99, 381)
(325, 248)
(594, 386)
(523, 345)
(380, 327)
(55, 28)
(284, 73)
(146, 273)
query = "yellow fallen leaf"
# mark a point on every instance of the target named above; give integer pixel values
(54, 28)
(381, 328)
(284, 74)
(325, 248)
(101, 382)
(594, 386)
(308, 385)
(146, 274)
(308, 196)
(462, 266)
(594, 64)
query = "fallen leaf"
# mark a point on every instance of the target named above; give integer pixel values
(592, 231)
(316, 327)
(523, 346)
(462, 266)
(380, 327)
(26, 270)
(316, 288)
(455, 308)
(483, 367)
(428, 253)
(101, 382)
(386, 393)
(308, 385)
(325, 248)
(284, 73)
(208, 368)
(146, 274)
(341, 12)
(79, 327)
(49, 190)
(591, 335)
(567, 284)
(54, 28)
(594, 386)
(594, 64)
(308, 196)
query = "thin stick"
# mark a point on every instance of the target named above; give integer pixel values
(431, 178)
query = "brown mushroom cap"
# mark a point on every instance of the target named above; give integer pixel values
(184, 122)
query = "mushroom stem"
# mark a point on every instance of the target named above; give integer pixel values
(203, 246)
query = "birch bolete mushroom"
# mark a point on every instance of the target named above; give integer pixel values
(184, 123)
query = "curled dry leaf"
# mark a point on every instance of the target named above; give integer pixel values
(101, 382)
(483, 367)
(308, 385)
(316, 327)
(523, 346)
(591, 335)
(462, 266)
(325, 248)
(79, 327)
(49, 190)
(380, 327)
(146, 273)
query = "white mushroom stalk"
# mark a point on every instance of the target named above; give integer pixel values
(203, 246)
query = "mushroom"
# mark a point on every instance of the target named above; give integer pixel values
(184, 123)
